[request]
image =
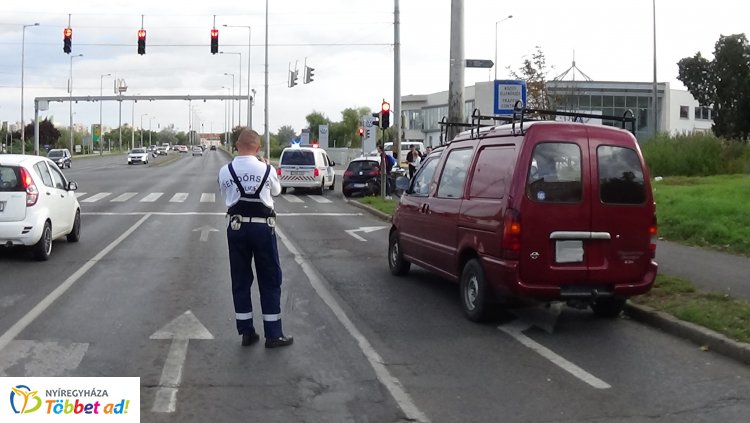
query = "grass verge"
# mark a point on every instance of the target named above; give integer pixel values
(379, 203)
(718, 312)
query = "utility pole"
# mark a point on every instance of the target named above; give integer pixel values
(456, 76)
(265, 118)
(656, 96)
(396, 78)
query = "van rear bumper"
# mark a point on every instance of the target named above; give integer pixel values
(503, 276)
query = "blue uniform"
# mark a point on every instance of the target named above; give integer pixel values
(251, 235)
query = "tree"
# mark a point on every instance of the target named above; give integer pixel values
(534, 71)
(723, 84)
(48, 134)
(314, 120)
(167, 135)
(285, 135)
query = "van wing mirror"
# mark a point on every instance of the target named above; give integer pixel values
(72, 186)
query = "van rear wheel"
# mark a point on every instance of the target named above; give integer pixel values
(283, 190)
(475, 293)
(608, 307)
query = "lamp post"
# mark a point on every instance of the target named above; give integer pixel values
(656, 93)
(101, 131)
(226, 116)
(496, 24)
(239, 88)
(232, 75)
(149, 129)
(145, 114)
(249, 99)
(23, 56)
(70, 98)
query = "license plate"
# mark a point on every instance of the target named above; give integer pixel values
(569, 251)
(359, 185)
(297, 173)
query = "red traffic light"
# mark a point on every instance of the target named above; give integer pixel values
(68, 32)
(361, 132)
(214, 33)
(385, 107)
(141, 34)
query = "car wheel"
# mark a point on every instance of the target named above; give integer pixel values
(43, 248)
(608, 307)
(75, 233)
(333, 184)
(347, 194)
(474, 292)
(283, 190)
(319, 190)
(146, 162)
(396, 262)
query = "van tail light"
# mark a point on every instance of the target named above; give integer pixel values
(511, 242)
(32, 194)
(278, 172)
(316, 172)
(652, 230)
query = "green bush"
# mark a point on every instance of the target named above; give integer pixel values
(695, 155)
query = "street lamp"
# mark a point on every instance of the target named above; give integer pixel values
(23, 125)
(149, 129)
(70, 98)
(249, 39)
(226, 115)
(239, 88)
(496, 23)
(101, 131)
(232, 75)
(145, 114)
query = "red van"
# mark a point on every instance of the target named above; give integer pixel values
(556, 211)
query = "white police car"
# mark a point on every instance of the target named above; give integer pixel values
(306, 167)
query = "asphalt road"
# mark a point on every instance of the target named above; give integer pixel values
(369, 347)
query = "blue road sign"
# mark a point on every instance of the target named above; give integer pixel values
(507, 93)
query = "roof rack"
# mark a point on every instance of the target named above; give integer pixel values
(520, 110)
(475, 125)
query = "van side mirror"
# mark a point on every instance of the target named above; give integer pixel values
(402, 183)
(72, 186)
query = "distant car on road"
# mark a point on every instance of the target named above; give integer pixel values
(161, 151)
(37, 204)
(61, 157)
(182, 148)
(213, 148)
(138, 155)
(197, 151)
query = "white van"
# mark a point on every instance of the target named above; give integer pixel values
(305, 167)
(405, 147)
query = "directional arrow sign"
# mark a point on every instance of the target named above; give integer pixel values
(180, 330)
(205, 230)
(365, 230)
(479, 63)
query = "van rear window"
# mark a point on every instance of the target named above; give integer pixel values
(297, 158)
(620, 176)
(10, 179)
(555, 173)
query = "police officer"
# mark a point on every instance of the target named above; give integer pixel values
(247, 184)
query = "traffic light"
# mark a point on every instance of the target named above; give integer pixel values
(293, 78)
(141, 41)
(361, 132)
(68, 40)
(214, 41)
(308, 74)
(385, 115)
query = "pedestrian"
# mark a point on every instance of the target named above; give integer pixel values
(427, 152)
(247, 185)
(389, 163)
(413, 159)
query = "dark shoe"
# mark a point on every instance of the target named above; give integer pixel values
(250, 339)
(282, 341)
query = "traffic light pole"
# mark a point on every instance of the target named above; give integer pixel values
(383, 167)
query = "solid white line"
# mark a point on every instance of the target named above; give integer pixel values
(292, 198)
(171, 375)
(96, 197)
(123, 197)
(151, 197)
(319, 199)
(212, 214)
(514, 330)
(208, 197)
(43, 305)
(180, 197)
(391, 383)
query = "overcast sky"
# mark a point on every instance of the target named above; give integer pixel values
(348, 42)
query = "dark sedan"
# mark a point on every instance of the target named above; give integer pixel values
(362, 176)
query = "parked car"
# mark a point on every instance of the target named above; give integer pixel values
(558, 211)
(305, 167)
(405, 147)
(138, 155)
(197, 151)
(61, 157)
(362, 176)
(37, 204)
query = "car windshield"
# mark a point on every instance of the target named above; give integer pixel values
(138, 151)
(55, 153)
(297, 158)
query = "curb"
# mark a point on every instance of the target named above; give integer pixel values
(698, 335)
(167, 161)
(372, 210)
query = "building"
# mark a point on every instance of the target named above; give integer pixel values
(679, 112)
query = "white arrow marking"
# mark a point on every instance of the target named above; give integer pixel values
(180, 330)
(205, 230)
(365, 230)
(515, 330)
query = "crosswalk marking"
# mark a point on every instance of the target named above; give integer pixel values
(151, 197)
(180, 197)
(80, 194)
(96, 197)
(123, 197)
(292, 198)
(208, 197)
(319, 199)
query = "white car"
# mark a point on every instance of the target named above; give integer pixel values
(305, 167)
(197, 151)
(138, 155)
(37, 204)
